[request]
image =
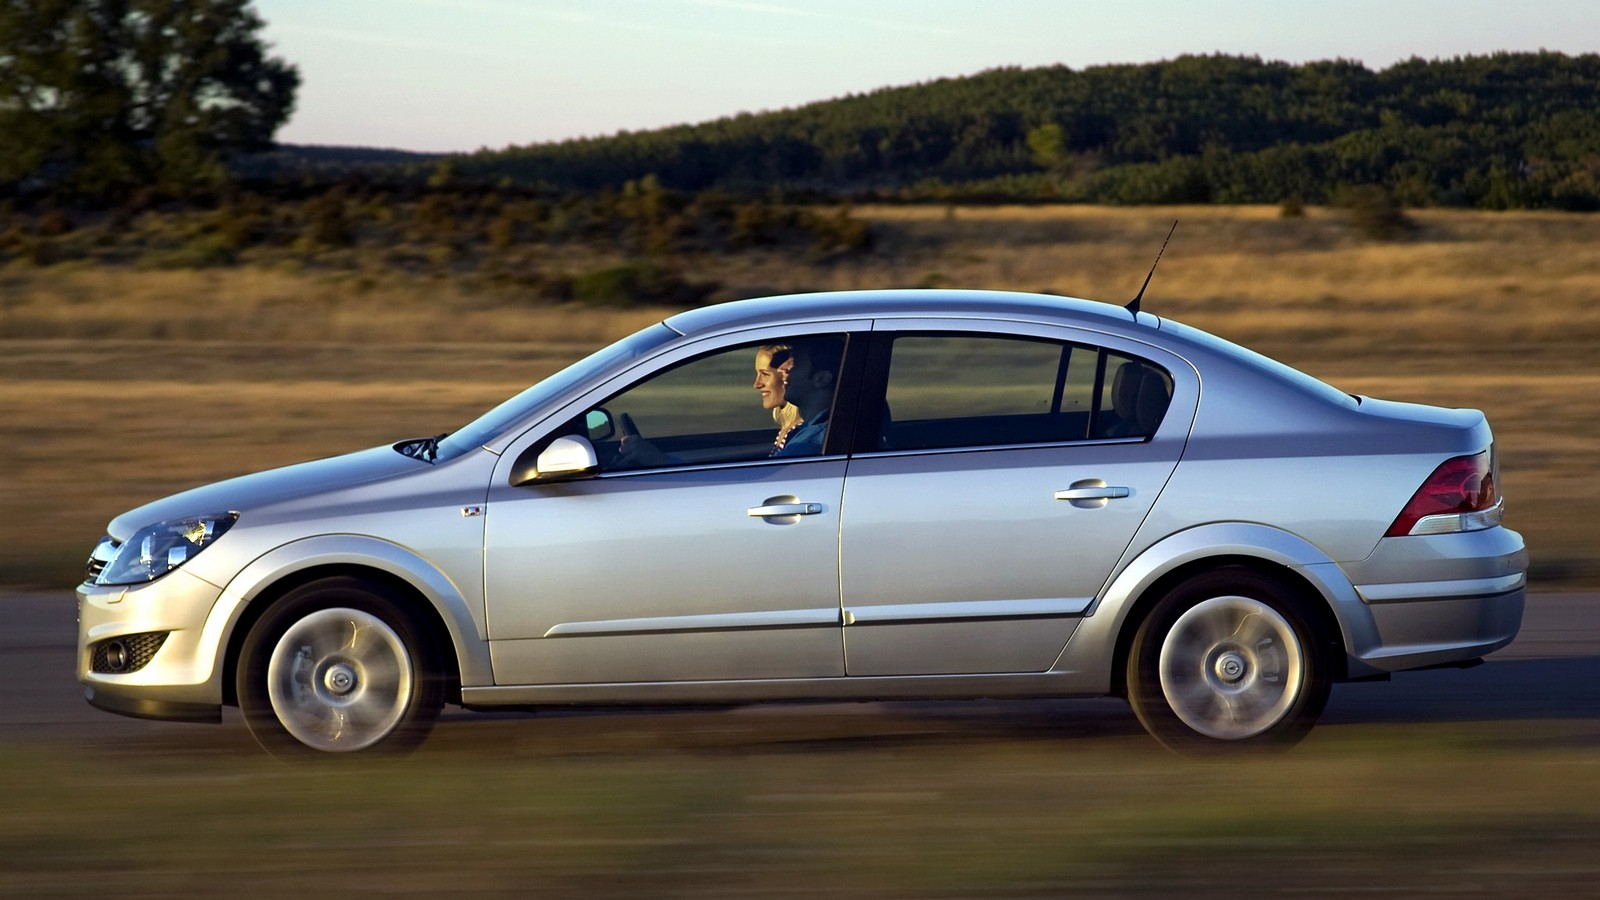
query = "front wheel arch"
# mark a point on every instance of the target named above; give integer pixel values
(339, 665)
(429, 621)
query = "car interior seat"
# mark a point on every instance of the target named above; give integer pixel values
(1139, 398)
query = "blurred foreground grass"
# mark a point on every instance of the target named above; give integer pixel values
(694, 809)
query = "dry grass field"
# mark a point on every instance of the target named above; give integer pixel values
(118, 385)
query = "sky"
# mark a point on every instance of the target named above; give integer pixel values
(459, 75)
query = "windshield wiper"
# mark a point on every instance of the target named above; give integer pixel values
(421, 448)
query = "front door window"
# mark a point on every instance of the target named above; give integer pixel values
(754, 401)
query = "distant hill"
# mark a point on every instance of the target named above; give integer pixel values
(1501, 131)
(328, 163)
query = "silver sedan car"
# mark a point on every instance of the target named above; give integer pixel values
(872, 495)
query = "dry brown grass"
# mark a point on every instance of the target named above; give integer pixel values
(120, 385)
(1253, 276)
(284, 305)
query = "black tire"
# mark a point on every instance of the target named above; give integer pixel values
(1228, 660)
(337, 666)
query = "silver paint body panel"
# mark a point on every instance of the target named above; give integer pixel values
(939, 573)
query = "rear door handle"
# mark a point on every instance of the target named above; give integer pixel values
(784, 509)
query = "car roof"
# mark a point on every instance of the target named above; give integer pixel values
(902, 304)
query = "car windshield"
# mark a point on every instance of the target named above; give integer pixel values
(491, 424)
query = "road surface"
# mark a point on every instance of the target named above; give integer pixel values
(1552, 671)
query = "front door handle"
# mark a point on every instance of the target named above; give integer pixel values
(791, 508)
(1093, 493)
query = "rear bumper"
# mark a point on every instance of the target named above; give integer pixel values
(1458, 589)
(1419, 631)
(1435, 600)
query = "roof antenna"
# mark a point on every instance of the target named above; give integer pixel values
(1133, 305)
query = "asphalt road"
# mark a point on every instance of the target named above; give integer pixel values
(1552, 671)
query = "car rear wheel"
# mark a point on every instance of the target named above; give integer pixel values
(338, 666)
(1228, 659)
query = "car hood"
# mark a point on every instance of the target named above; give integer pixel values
(270, 487)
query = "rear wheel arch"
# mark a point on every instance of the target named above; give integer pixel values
(414, 603)
(1313, 605)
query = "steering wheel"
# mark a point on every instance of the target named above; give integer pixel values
(634, 451)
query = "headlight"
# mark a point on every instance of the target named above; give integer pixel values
(158, 549)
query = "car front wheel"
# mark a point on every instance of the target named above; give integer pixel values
(337, 666)
(1227, 659)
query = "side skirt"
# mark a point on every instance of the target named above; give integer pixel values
(914, 687)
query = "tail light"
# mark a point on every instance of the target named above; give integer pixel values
(1459, 496)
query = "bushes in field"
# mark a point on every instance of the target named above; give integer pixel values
(638, 282)
(539, 243)
(1375, 213)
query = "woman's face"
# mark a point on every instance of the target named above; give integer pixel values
(772, 383)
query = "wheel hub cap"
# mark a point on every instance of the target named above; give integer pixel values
(340, 679)
(1230, 667)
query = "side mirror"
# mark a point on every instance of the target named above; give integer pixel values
(565, 459)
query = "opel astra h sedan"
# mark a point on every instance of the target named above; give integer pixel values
(873, 495)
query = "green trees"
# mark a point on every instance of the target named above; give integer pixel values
(99, 96)
(1505, 130)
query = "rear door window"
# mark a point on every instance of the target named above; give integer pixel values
(964, 390)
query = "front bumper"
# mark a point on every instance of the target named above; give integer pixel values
(135, 704)
(179, 679)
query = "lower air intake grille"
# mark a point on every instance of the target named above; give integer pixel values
(129, 653)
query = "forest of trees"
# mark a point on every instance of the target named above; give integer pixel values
(1502, 131)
